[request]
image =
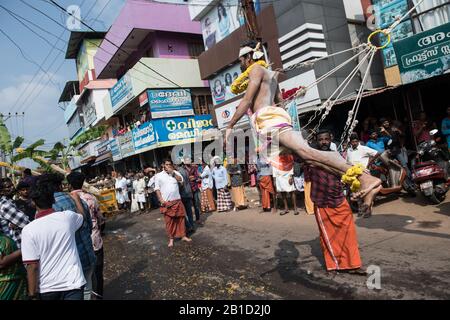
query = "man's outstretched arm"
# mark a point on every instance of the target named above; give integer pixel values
(255, 78)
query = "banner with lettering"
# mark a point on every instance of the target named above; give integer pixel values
(144, 137)
(424, 55)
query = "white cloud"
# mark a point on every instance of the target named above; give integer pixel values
(43, 119)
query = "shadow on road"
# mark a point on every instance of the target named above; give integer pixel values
(130, 285)
(398, 223)
(289, 267)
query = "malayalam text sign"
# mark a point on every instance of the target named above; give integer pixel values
(170, 103)
(144, 137)
(424, 55)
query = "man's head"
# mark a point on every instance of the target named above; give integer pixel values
(385, 123)
(423, 116)
(249, 54)
(26, 173)
(187, 161)
(354, 140)
(76, 180)
(207, 26)
(42, 193)
(373, 134)
(324, 140)
(53, 180)
(23, 189)
(168, 165)
(6, 187)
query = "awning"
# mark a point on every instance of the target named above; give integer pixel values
(103, 158)
(88, 159)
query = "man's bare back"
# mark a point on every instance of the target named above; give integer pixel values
(268, 92)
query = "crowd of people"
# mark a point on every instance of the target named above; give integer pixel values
(51, 245)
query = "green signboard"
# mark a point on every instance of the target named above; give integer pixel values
(424, 55)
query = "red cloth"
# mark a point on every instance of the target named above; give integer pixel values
(174, 215)
(266, 186)
(338, 237)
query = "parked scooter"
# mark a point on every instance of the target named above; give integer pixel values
(430, 170)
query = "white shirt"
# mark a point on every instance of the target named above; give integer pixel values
(207, 179)
(51, 241)
(139, 186)
(360, 155)
(168, 185)
(333, 146)
(220, 177)
(121, 184)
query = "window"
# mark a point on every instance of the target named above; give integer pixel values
(430, 14)
(195, 49)
(202, 104)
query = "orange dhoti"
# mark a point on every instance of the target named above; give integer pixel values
(207, 201)
(266, 186)
(309, 204)
(338, 237)
(174, 215)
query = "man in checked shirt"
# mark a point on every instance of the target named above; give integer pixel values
(12, 220)
(334, 216)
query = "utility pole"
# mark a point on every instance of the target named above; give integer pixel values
(250, 20)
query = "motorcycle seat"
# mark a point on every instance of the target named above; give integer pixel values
(424, 164)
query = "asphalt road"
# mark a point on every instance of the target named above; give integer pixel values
(252, 255)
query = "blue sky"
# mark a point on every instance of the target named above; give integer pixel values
(39, 99)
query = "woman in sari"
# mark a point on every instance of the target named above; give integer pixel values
(13, 276)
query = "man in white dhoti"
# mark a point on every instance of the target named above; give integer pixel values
(121, 191)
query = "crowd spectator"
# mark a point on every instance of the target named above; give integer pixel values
(237, 185)
(445, 127)
(23, 201)
(186, 198)
(220, 176)
(358, 154)
(207, 198)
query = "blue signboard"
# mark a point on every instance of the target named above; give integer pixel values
(144, 137)
(122, 92)
(182, 130)
(115, 150)
(170, 103)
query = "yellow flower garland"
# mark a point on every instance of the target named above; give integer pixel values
(351, 177)
(241, 83)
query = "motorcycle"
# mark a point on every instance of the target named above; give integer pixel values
(430, 170)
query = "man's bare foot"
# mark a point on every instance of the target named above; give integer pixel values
(368, 183)
(368, 201)
(170, 245)
(186, 239)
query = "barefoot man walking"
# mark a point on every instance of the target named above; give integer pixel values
(262, 93)
(168, 192)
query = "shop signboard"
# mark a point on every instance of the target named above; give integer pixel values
(126, 144)
(115, 150)
(103, 147)
(424, 55)
(170, 103)
(122, 92)
(144, 137)
(181, 130)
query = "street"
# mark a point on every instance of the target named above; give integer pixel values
(252, 255)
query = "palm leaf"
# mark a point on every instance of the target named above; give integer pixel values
(38, 143)
(18, 142)
(5, 138)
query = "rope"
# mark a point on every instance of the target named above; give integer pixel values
(329, 104)
(351, 120)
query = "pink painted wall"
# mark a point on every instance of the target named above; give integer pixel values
(142, 14)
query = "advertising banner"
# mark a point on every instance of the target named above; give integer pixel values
(221, 21)
(144, 137)
(424, 55)
(170, 103)
(103, 147)
(226, 112)
(182, 130)
(126, 144)
(221, 84)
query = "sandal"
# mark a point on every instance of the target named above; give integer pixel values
(284, 212)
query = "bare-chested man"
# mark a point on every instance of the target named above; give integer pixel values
(261, 96)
